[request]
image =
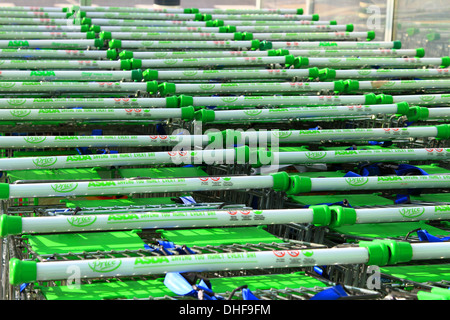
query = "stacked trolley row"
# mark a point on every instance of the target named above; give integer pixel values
(204, 154)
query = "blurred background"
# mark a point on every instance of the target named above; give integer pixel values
(417, 23)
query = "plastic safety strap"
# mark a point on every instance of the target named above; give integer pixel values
(380, 169)
(332, 293)
(186, 285)
(425, 236)
(248, 295)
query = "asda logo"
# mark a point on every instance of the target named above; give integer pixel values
(81, 221)
(64, 187)
(120, 217)
(442, 209)
(357, 181)
(411, 212)
(345, 153)
(328, 44)
(45, 161)
(20, 113)
(151, 260)
(42, 74)
(15, 102)
(389, 179)
(49, 111)
(18, 43)
(316, 155)
(107, 265)
(96, 184)
(35, 139)
(78, 158)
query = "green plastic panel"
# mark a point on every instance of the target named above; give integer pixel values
(432, 197)
(219, 236)
(162, 173)
(73, 203)
(89, 241)
(389, 230)
(142, 289)
(353, 199)
(420, 273)
(54, 174)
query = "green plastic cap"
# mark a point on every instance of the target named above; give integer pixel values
(342, 216)
(402, 108)
(247, 36)
(299, 184)
(150, 74)
(187, 113)
(136, 75)
(313, 73)
(223, 29)
(195, 10)
(205, 115)
(242, 154)
(209, 23)
(282, 52)
(257, 154)
(126, 54)
(111, 54)
(351, 85)
(125, 64)
(94, 28)
(321, 215)
(399, 251)
(315, 17)
(339, 86)
(300, 11)
(264, 45)
(187, 10)
(87, 21)
(417, 113)
(115, 44)
(10, 225)
(167, 88)
(370, 35)
(22, 271)
(81, 14)
(217, 23)
(171, 102)
(370, 99)
(445, 62)
(443, 131)
(84, 28)
(98, 43)
(198, 17)
(385, 99)
(397, 44)
(420, 52)
(105, 35)
(4, 191)
(90, 35)
(349, 28)
(272, 53)
(185, 101)
(232, 136)
(433, 36)
(206, 17)
(230, 29)
(327, 74)
(238, 36)
(255, 44)
(152, 87)
(333, 23)
(378, 253)
(136, 63)
(281, 181)
(289, 59)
